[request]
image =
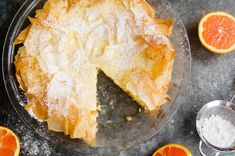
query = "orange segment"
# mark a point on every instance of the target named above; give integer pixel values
(217, 32)
(9, 142)
(173, 150)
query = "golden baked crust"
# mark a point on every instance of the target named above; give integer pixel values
(68, 40)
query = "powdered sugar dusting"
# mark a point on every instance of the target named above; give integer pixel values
(58, 93)
(33, 146)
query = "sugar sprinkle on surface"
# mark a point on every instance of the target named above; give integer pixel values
(33, 146)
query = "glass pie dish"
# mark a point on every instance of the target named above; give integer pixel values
(115, 132)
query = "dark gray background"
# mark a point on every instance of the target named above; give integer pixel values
(213, 77)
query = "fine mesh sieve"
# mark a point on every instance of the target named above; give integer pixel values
(224, 109)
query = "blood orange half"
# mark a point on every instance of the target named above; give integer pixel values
(217, 32)
(173, 150)
(9, 142)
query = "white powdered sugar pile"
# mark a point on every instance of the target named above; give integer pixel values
(218, 131)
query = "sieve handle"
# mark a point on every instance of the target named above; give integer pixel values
(232, 99)
(202, 153)
(231, 103)
(200, 149)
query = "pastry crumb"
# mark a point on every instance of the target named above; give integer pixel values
(111, 102)
(109, 121)
(168, 99)
(129, 118)
(98, 108)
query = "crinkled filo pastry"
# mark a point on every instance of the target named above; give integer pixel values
(69, 40)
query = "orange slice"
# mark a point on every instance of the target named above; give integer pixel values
(172, 150)
(9, 142)
(217, 32)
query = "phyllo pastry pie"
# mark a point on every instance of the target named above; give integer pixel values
(68, 41)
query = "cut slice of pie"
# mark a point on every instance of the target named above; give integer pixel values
(68, 41)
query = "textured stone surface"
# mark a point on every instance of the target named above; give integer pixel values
(213, 77)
